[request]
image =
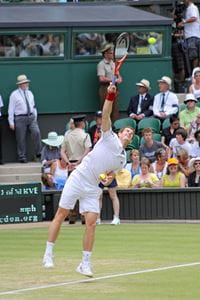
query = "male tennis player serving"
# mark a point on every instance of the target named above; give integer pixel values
(107, 155)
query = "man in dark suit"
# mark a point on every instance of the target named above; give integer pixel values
(140, 106)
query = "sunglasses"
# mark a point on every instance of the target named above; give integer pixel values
(197, 163)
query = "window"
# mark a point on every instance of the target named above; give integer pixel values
(32, 45)
(141, 43)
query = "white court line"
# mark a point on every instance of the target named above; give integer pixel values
(98, 278)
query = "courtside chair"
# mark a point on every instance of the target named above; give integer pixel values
(135, 144)
(151, 122)
(121, 123)
(156, 137)
(166, 123)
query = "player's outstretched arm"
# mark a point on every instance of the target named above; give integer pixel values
(107, 108)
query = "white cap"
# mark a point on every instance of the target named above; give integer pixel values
(166, 80)
(189, 97)
(145, 83)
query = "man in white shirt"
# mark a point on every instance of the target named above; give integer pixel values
(22, 116)
(166, 102)
(191, 24)
(1, 105)
(107, 155)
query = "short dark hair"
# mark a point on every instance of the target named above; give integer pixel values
(173, 118)
(182, 132)
(197, 133)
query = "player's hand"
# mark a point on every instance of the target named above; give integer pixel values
(12, 127)
(111, 89)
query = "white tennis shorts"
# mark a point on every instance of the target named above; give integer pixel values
(78, 188)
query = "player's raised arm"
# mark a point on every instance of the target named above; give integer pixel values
(107, 108)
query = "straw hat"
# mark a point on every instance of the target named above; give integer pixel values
(53, 139)
(190, 97)
(167, 80)
(145, 83)
(191, 163)
(22, 79)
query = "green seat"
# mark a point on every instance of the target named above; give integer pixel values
(128, 158)
(135, 144)
(182, 106)
(151, 122)
(156, 137)
(92, 123)
(121, 123)
(166, 123)
(198, 104)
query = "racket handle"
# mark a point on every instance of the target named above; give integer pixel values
(114, 79)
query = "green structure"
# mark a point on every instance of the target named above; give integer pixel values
(58, 47)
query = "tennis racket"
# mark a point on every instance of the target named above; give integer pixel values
(120, 53)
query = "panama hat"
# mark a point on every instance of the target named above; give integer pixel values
(53, 139)
(190, 97)
(172, 161)
(22, 79)
(145, 83)
(107, 47)
(191, 163)
(167, 80)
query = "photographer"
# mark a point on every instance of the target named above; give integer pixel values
(191, 24)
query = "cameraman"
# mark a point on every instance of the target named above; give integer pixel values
(191, 24)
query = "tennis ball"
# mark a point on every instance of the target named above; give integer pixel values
(152, 40)
(102, 176)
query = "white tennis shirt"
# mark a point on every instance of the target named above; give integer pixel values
(107, 155)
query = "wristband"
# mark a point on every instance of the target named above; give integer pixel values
(111, 97)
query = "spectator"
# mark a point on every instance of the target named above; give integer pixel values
(194, 126)
(105, 72)
(51, 151)
(179, 143)
(150, 146)
(123, 178)
(195, 86)
(1, 105)
(194, 177)
(95, 130)
(59, 171)
(141, 106)
(190, 112)
(183, 159)
(170, 132)
(134, 166)
(166, 102)
(173, 178)
(22, 116)
(145, 179)
(191, 25)
(195, 147)
(159, 166)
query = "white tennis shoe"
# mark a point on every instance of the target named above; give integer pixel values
(84, 269)
(115, 221)
(48, 261)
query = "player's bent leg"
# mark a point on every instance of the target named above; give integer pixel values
(88, 241)
(54, 229)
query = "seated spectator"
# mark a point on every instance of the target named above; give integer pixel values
(123, 178)
(173, 178)
(166, 102)
(194, 177)
(194, 126)
(183, 159)
(195, 86)
(140, 106)
(150, 146)
(195, 146)
(95, 130)
(145, 179)
(170, 132)
(190, 112)
(51, 151)
(134, 166)
(159, 166)
(179, 142)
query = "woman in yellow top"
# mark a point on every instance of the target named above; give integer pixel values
(173, 178)
(145, 179)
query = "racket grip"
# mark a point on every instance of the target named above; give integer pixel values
(114, 79)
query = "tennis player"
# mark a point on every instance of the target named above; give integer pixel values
(107, 155)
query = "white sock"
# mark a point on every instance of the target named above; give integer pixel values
(49, 248)
(86, 257)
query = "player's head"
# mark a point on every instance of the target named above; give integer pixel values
(126, 134)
